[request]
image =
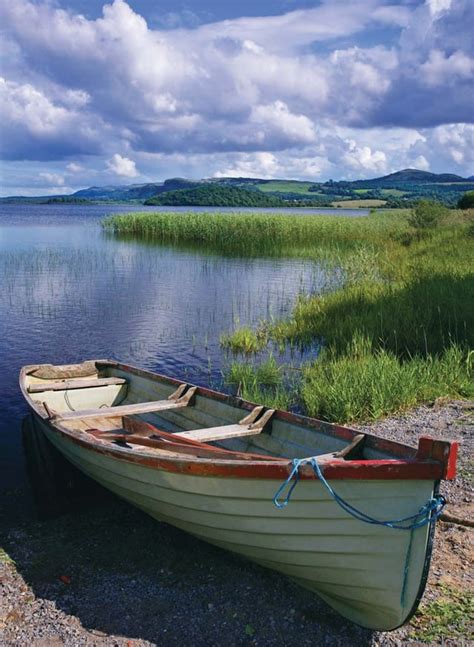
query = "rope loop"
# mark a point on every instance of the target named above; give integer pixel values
(428, 513)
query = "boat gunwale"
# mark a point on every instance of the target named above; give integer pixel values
(434, 459)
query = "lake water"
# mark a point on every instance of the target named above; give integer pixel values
(68, 292)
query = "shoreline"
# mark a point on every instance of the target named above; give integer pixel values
(107, 574)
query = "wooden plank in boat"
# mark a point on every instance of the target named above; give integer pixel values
(351, 451)
(218, 433)
(123, 410)
(180, 398)
(137, 432)
(67, 385)
(248, 426)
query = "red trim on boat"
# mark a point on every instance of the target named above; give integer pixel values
(442, 451)
(434, 459)
(390, 469)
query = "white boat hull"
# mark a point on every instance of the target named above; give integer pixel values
(366, 572)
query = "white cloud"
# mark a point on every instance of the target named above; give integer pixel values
(254, 93)
(74, 168)
(263, 165)
(277, 118)
(456, 141)
(122, 166)
(300, 28)
(438, 6)
(76, 98)
(442, 69)
(422, 163)
(36, 127)
(52, 178)
(363, 158)
(26, 105)
(61, 189)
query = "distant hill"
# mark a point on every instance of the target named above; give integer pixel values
(131, 192)
(404, 188)
(400, 189)
(215, 195)
(411, 176)
(134, 191)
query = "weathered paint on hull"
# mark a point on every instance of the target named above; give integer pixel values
(359, 569)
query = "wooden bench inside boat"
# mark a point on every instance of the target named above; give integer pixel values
(352, 451)
(135, 432)
(67, 385)
(248, 426)
(182, 397)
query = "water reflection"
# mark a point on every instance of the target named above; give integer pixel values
(69, 293)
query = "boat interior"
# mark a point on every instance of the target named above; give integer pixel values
(141, 411)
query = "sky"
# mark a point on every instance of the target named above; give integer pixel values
(95, 93)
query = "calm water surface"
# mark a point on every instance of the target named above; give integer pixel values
(68, 292)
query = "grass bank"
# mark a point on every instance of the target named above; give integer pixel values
(397, 332)
(400, 329)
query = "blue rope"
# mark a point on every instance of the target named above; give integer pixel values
(425, 515)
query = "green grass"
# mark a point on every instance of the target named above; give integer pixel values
(394, 193)
(366, 383)
(447, 617)
(286, 187)
(244, 340)
(414, 299)
(263, 383)
(399, 329)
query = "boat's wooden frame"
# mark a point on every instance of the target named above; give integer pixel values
(188, 453)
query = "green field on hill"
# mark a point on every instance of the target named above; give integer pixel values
(286, 187)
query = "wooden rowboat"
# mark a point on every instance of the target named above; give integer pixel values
(358, 530)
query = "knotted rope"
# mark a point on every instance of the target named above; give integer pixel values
(427, 514)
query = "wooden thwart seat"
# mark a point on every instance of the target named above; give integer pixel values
(350, 452)
(66, 385)
(182, 397)
(142, 434)
(248, 426)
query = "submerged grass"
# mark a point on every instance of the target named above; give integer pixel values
(398, 330)
(244, 340)
(264, 383)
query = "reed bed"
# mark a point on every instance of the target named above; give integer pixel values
(397, 331)
(246, 231)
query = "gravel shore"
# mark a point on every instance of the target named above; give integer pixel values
(106, 574)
